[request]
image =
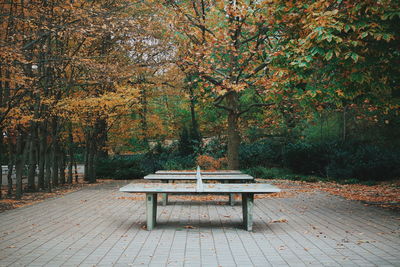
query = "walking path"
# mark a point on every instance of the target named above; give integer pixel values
(99, 226)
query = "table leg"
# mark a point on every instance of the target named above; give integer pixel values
(151, 205)
(165, 197)
(247, 207)
(231, 196)
(232, 199)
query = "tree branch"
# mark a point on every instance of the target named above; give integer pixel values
(219, 99)
(253, 106)
(211, 79)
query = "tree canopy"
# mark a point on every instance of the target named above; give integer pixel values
(97, 77)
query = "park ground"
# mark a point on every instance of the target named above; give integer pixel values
(306, 224)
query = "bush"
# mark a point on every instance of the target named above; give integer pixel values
(121, 167)
(269, 173)
(264, 153)
(350, 160)
(189, 141)
(306, 158)
(138, 165)
(365, 162)
(179, 163)
(215, 148)
(209, 163)
(310, 179)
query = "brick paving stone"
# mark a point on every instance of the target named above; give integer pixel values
(99, 226)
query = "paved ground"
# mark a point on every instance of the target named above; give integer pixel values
(100, 226)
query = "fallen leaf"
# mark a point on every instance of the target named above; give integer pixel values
(364, 241)
(280, 221)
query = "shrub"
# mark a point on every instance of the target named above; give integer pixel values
(189, 141)
(258, 172)
(215, 148)
(350, 160)
(179, 163)
(370, 162)
(310, 179)
(260, 153)
(208, 163)
(172, 165)
(350, 181)
(269, 173)
(120, 167)
(306, 158)
(185, 144)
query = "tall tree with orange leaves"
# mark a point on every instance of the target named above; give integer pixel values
(227, 44)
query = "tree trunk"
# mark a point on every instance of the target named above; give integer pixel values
(195, 135)
(32, 159)
(61, 166)
(86, 166)
(54, 151)
(192, 108)
(143, 115)
(233, 131)
(2, 147)
(55, 158)
(101, 138)
(344, 133)
(76, 172)
(42, 157)
(91, 161)
(47, 177)
(19, 165)
(71, 155)
(11, 161)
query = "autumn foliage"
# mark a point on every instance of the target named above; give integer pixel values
(210, 163)
(83, 79)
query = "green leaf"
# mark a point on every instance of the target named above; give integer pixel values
(356, 77)
(364, 34)
(308, 58)
(329, 55)
(387, 37)
(354, 56)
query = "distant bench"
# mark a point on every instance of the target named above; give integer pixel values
(221, 176)
(247, 191)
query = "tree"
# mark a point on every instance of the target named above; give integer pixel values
(57, 56)
(226, 44)
(337, 54)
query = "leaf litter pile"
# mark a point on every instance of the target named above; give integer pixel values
(385, 194)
